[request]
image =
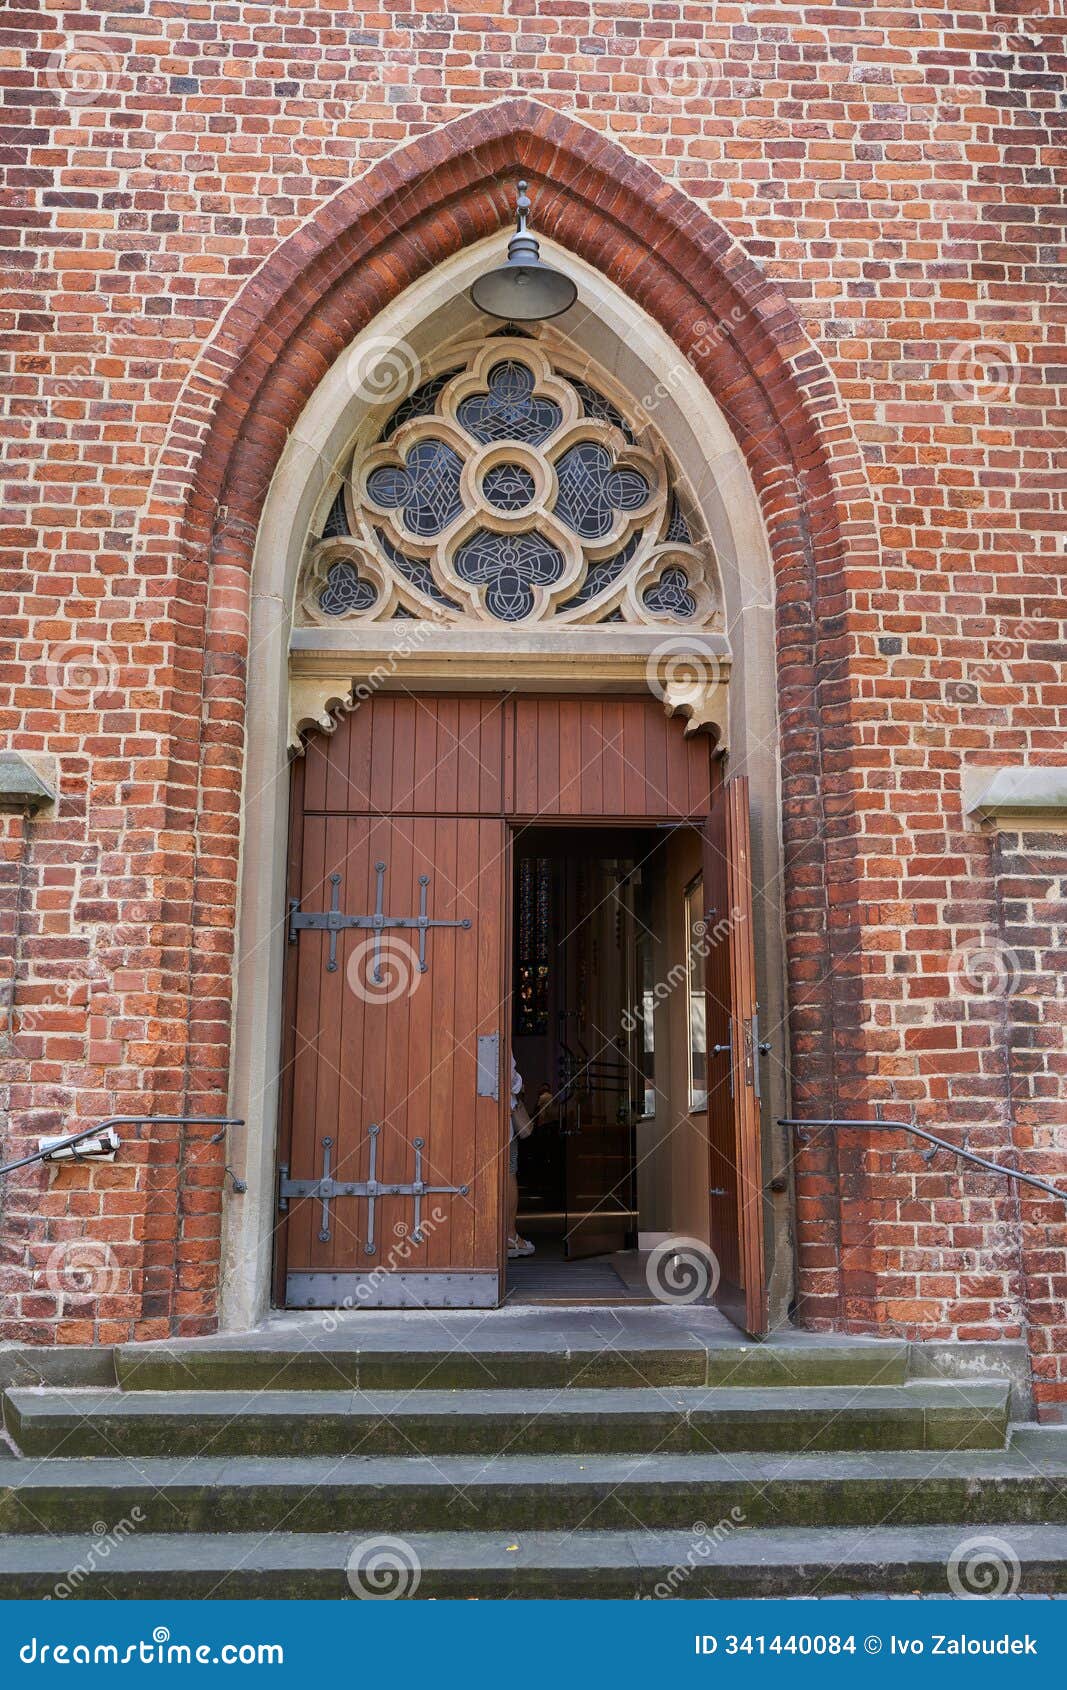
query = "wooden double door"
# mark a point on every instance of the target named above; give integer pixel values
(396, 1064)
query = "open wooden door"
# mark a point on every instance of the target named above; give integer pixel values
(733, 1078)
(390, 1191)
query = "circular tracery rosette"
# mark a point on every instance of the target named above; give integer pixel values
(503, 500)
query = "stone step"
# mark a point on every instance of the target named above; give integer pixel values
(530, 1493)
(609, 1564)
(509, 1350)
(46, 1420)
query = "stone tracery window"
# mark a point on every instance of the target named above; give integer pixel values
(504, 490)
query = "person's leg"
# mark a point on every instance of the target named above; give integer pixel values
(513, 1204)
(516, 1246)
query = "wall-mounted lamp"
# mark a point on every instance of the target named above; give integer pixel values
(523, 290)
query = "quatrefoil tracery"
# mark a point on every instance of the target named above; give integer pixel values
(508, 492)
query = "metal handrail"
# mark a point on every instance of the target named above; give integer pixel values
(100, 1127)
(928, 1155)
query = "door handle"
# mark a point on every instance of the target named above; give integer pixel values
(760, 1047)
(717, 1050)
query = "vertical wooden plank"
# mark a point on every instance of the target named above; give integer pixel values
(747, 1056)
(490, 791)
(700, 747)
(570, 755)
(309, 964)
(327, 1033)
(461, 1158)
(589, 798)
(420, 1025)
(442, 975)
(446, 784)
(374, 1101)
(613, 788)
(315, 766)
(635, 771)
(526, 785)
(424, 778)
(390, 1026)
(676, 766)
(335, 795)
(381, 758)
(348, 1128)
(507, 795)
(356, 729)
(546, 757)
(468, 758)
(405, 711)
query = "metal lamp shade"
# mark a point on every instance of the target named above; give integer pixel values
(523, 290)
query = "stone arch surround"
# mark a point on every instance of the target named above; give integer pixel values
(408, 214)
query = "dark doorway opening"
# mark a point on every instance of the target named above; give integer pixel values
(583, 932)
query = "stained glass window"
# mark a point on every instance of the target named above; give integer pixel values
(592, 490)
(505, 490)
(418, 404)
(677, 526)
(670, 595)
(414, 570)
(508, 487)
(346, 590)
(337, 520)
(509, 566)
(601, 575)
(426, 489)
(595, 405)
(509, 410)
(533, 927)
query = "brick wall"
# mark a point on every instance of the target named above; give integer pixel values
(875, 186)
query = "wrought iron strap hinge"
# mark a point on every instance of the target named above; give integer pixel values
(325, 1189)
(334, 921)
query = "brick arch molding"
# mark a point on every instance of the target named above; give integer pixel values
(276, 342)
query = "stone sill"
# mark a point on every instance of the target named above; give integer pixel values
(1022, 797)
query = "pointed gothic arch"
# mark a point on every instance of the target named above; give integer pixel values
(407, 216)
